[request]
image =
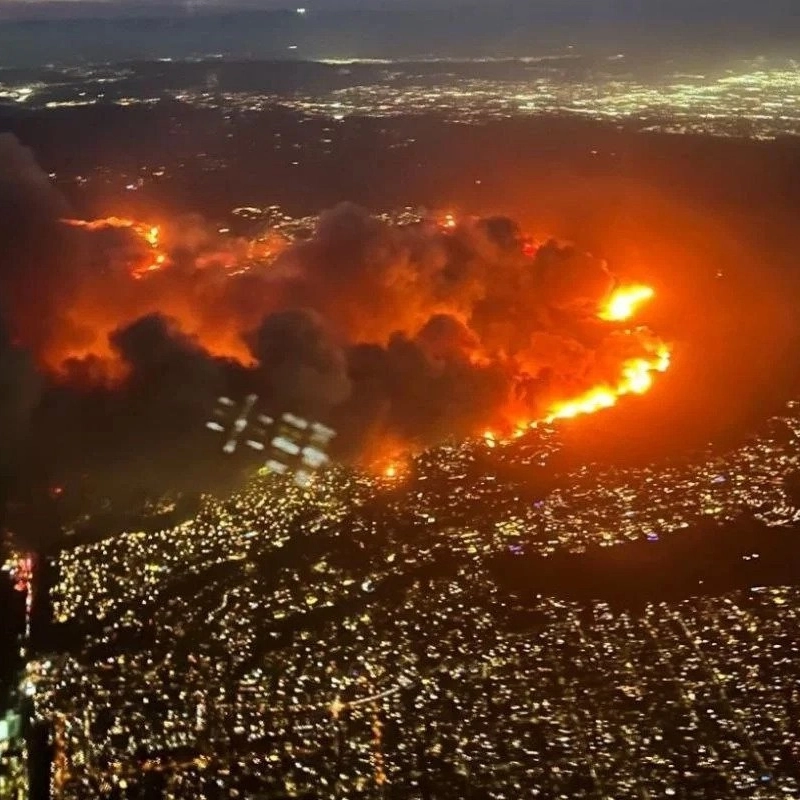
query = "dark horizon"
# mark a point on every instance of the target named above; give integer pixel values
(711, 12)
(34, 33)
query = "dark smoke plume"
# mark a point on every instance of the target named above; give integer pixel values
(303, 368)
(31, 273)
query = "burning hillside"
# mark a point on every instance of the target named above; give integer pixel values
(401, 333)
(150, 235)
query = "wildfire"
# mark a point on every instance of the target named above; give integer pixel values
(101, 224)
(636, 374)
(394, 469)
(152, 235)
(149, 234)
(625, 302)
(636, 378)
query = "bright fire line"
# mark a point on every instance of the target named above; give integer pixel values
(637, 374)
(636, 378)
(624, 303)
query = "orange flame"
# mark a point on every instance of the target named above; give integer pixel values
(636, 375)
(624, 303)
(101, 224)
(393, 469)
(152, 235)
(636, 378)
(149, 234)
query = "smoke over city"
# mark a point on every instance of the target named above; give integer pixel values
(396, 335)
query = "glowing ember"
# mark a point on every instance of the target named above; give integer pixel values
(625, 302)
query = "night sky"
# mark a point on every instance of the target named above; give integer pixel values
(724, 11)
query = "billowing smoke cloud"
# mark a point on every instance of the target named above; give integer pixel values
(30, 237)
(303, 368)
(390, 333)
